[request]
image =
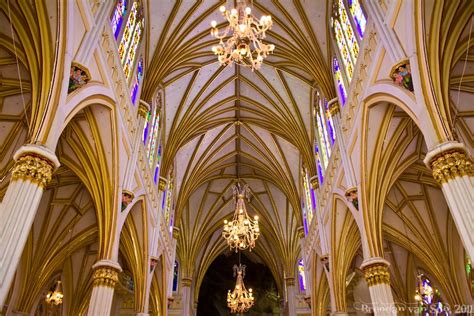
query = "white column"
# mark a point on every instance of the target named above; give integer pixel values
(378, 279)
(290, 296)
(143, 109)
(33, 170)
(453, 169)
(105, 279)
(334, 110)
(187, 299)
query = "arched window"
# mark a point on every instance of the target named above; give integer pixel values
(117, 18)
(157, 166)
(346, 41)
(137, 81)
(301, 276)
(151, 134)
(427, 296)
(131, 38)
(309, 201)
(175, 276)
(169, 201)
(341, 89)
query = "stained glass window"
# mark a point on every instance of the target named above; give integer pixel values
(358, 16)
(308, 198)
(138, 79)
(330, 123)
(175, 276)
(346, 42)
(339, 81)
(318, 163)
(301, 276)
(169, 201)
(131, 38)
(117, 18)
(153, 134)
(157, 167)
(428, 297)
(322, 124)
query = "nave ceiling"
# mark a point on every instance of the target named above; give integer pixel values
(223, 124)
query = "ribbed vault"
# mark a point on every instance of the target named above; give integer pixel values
(223, 124)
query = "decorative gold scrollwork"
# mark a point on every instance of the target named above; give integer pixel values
(33, 168)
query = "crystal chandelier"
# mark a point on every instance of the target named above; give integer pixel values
(240, 300)
(241, 41)
(55, 297)
(241, 232)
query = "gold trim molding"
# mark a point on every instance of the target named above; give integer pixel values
(290, 281)
(314, 182)
(186, 281)
(376, 273)
(143, 109)
(451, 164)
(34, 168)
(105, 276)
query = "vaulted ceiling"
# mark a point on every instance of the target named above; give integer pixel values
(227, 123)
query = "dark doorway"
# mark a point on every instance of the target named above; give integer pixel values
(219, 279)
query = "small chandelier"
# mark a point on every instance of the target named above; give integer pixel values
(240, 300)
(55, 296)
(244, 36)
(241, 232)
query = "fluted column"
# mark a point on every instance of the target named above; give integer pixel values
(290, 296)
(143, 109)
(33, 170)
(105, 279)
(334, 110)
(453, 169)
(186, 298)
(378, 279)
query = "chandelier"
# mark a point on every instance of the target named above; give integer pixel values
(243, 37)
(55, 296)
(241, 232)
(240, 300)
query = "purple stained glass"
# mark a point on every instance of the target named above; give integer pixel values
(340, 84)
(320, 172)
(157, 172)
(313, 198)
(146, 128)
(301, 275)
(117, 18)
(163, 200)
(138, 79)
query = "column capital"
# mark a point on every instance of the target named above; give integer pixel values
(106, 273)
(143, 108)
(290, 281)
(35, 163)
(351, 195)
(449, 160)
(376, 271)
(300, 232)
(162, 183)
(176, 231)
(186, 281)
(334, 109)
(314, 182)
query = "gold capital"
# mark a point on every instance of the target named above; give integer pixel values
(314, 182)
(334, 108)
(290, 281)
(34, 168)
(451, 164)
(186, 281)
(105, 276)
(376, 273)
(142, 110)
(162, 184)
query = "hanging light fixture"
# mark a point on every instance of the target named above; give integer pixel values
(55, 296)
(243, 37)
(241, 232)
(240, 300)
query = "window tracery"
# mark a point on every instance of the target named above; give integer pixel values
(118, 16)
(309, 201)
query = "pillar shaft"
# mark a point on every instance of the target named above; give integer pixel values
(32, 172)
(291, 296)
(378, 279)
(454, 171)
(105, 279)
(187, 299)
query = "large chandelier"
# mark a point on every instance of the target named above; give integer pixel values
(243, 37)
(241, 232)
(240, 300)
(55, 297)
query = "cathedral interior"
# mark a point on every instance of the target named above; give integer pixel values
(236, 157)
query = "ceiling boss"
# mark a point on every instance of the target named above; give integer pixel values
(241, 41)
(241, 232)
